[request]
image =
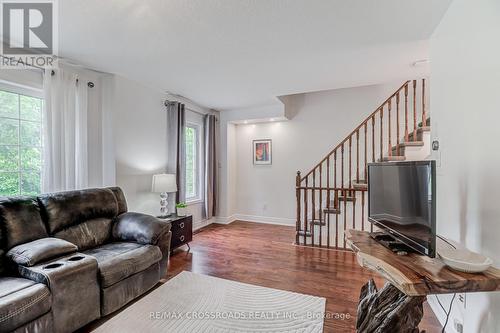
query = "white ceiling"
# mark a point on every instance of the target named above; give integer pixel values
(228, 54)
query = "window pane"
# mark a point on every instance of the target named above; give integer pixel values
(30, 158)
(9, 131)
(31, 108)
(30, 183)
(30, 134)
(9, 158)
(9, 183)
(191, 162)
(9, 105)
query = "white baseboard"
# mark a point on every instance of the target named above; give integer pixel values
(254, 218)
(265, 219)
(224, 220)
(200, 224)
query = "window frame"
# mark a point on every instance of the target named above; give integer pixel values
(21, 90)
(198, 151)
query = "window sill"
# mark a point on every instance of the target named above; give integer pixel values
(193, 202)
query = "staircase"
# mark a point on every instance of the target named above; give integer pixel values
(332, 196)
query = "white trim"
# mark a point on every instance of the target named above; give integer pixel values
(20, 89)
(265, 219)
(253, 218)
(225, 220)
(198, 163)
(202, 223)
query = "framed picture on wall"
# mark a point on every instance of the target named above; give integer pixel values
(262, 152)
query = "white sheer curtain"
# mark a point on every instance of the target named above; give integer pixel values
(65, 162)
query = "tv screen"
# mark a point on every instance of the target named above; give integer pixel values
(402, 202)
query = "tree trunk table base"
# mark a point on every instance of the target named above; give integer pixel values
(388, 310)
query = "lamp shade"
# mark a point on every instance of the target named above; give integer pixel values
(164, 183)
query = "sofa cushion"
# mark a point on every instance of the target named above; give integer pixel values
(119, 260)
(32, 253)
(65, 209)
(88, 234)
(21, 220)
(21, 301)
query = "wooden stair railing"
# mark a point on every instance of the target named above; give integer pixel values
(331, 197)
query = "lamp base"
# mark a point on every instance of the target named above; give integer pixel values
(164, 205)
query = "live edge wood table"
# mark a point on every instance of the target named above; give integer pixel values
(398, 306)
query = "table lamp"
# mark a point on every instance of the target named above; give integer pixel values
(164, 184)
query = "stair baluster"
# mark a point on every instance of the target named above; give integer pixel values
(397, 124)
(415, 110)
(389, 127)
(407, 135)
(381, 133)
(350, 188)
(313, 207)
(424, 112)
(297, 193)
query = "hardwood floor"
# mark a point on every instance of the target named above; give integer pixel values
(264, 255)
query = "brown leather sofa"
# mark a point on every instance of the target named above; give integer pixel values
(69, 258)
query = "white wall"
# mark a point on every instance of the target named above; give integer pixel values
(139, 119)
(140, 137)
(465, 102)
(322, 120)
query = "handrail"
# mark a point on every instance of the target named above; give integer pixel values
(332, 196)
(406, 83)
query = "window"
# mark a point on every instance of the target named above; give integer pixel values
(20, 142)
(192, 162)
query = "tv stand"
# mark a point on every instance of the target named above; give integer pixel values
(398, 306)
(391, 243)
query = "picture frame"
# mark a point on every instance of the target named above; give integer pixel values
(262, 152)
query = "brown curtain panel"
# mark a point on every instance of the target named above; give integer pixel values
(176, 125)
(210, 170)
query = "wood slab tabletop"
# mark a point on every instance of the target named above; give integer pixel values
(418, 275)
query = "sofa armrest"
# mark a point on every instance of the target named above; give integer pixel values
(140, 228)
(32, 253)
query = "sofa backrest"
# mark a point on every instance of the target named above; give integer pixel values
(120, 199)
(83, 217)
(21, 221)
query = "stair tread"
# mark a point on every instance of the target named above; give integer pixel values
(348, 198)
(427, 122)
(360, 185)
(410, 144)
(420, 130)
(331, 211)
(318, 222)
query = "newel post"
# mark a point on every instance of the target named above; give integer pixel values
(297, 193)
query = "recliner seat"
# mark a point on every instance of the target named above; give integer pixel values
(129, 250)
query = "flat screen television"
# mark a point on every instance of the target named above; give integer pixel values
(402, 202)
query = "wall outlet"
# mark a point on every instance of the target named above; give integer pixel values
(461, 299)
(458, 312)
(458, 326)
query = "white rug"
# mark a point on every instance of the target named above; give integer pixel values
(192, 302)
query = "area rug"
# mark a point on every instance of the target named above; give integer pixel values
(192, 302)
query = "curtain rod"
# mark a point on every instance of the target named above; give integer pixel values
(167, 102)
(90, 84)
